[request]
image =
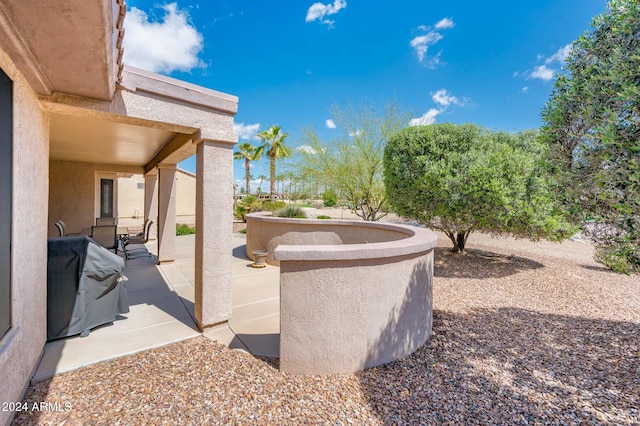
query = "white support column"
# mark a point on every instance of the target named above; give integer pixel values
(166, 212)
(214, 227)
(151, 203)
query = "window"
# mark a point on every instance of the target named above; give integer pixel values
(6, 183)
(106, 197)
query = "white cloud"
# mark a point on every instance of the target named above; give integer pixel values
(356, 133)
(444, 24)
(330, 124)
(246, 131)
(167, 45)
(427, 118)
(546, 71)
(543, 73)
(422, 43)
(306, 149)
(444, 98)
(561, 55)
(318, 11)
(525, 89)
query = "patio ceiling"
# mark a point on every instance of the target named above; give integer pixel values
(88, 139)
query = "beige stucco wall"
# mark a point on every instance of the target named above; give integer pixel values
(346, 316)
(22, 346)
(131, 200)
(185, 198)
(131, 197)
(353, 294)
(265, 232)
(72, 191)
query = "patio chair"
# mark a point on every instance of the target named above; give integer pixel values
(62, 229)
(137, 231)
(101, 221)
(60, 226)
(137, 239)
(105, 235)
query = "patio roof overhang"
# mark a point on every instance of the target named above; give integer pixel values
(152, 119)
(100, 110)
(72, 47)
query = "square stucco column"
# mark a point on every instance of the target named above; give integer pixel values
(151, 204)
(214, 227)
(166, 213)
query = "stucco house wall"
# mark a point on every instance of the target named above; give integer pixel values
(131, 197)
(72, 192)
(185, 197)
(21, 347)
(131, 200)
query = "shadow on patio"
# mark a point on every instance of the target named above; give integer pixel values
(161, 300)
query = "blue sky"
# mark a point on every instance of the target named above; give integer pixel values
(490, 63)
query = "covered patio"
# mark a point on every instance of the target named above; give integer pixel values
(74, 119)
(151, 124)
(162, 299)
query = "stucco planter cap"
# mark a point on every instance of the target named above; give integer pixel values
(411, 240)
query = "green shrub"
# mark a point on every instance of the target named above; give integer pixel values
(621, 258)
(330, 198)
(240, 212)
(248, 204)
(293, 212)
(323, 216)
(183, 229)
(272, 206)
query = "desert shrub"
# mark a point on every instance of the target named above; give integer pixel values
(460, 179)
(272, 206)
(620, 258)
(240, 212)
(184, 229)
(293, 212)
(323, 216)
(330, 198)
(248, 204)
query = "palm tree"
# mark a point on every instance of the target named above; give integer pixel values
(261, 177)
(248, 153)
(273, 144)
(280, 183)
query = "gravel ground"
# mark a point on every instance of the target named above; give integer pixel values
(523, 334)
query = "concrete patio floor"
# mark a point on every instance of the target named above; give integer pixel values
(161, 302)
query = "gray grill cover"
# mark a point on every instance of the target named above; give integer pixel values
(84, 289)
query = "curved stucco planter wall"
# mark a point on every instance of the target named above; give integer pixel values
(353, 294)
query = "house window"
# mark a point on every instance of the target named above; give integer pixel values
(106, 197)
(6, 177)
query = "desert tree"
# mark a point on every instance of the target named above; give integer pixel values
(460, 179)
(592, 123)
(247, 152)
(273, 144)
(351, 163)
